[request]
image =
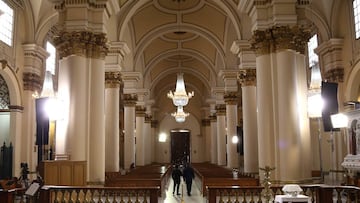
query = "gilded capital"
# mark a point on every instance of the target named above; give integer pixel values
(112, 79)
(335, 75)
(32, 82)
(212, 118)
(82, 43)
(140, 111)
(148, 118)
(279, 38)
(247, 77)
(231, 98)
(220, 109)
(130, 99)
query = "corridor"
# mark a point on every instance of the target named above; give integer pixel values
(196, 196)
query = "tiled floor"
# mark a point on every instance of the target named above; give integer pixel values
(196, 196)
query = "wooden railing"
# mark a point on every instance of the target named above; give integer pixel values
(317, 194)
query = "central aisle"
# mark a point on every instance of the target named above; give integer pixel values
(195, 197)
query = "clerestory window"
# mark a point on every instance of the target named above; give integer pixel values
(356, 8)
(6, 23)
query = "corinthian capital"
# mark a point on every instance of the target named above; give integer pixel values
(247, 77)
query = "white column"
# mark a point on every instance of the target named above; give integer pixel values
(112, 91)
(213, 132)
(154, 140)
(221, 134)
(207, 136)
(148, 141)
(96, 148)
(231, 126)
(129, 127)
(140, 145)
(251, 161)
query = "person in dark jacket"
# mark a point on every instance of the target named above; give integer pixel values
(176, 174)
(188, 175)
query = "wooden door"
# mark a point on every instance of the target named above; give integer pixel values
(180, 147)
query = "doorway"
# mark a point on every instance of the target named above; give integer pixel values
(180, 146)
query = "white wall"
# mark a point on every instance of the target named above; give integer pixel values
(4, 128)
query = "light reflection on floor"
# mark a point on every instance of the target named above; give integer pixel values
(196, 196)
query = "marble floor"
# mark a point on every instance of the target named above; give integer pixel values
(196, 196)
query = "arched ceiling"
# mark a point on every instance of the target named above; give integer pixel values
(172, 36)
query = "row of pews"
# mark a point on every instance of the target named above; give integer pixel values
(157, 175)
(210, 175)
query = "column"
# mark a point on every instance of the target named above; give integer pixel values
(221, 134)
(129, 128)
(231, 126)
(213, 133)
(282, 122)
(154, 139)
(248, 86)
(148, 140)
(82, 47)
(34, 59)
(112, 91)
(247, 79)
(205, 123)
(140, 144)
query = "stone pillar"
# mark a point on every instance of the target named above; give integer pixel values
(140, 145)
(231, 101)
(281, 82)
(213, 132)
(129, 128)
(148, 138)
(247, 78)
(221, 134)
(205, 123)
(248, 85)
(82, 47)
(34, 62)
(154, 139)
(112, 91)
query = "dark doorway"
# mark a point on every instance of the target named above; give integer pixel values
(180, 146)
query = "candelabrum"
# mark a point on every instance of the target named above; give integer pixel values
(267, 193)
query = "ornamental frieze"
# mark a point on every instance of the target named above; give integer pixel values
(279, 38)
(247, 77)
(112, 79)
(32, 82)
(82, 43)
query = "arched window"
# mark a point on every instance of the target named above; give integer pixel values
(356, 7)
(6, 23)
(4, 94)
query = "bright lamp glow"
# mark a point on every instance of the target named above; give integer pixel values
(180, 97)
(53, 108)
(162, 137)
(235, 139)
(339, 120)
(315, 105)
(180, 115)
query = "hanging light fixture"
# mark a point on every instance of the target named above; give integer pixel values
(180, 115)
(180, 97)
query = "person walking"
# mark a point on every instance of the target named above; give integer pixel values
(188, 175)
(176, 174)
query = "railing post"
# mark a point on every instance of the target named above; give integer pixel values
(325, 195)
(211, 195)
(154, 195)
(44, 195)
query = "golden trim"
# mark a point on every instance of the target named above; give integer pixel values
(220, 109)
(130, 99)
(112, 79)
(231, 98)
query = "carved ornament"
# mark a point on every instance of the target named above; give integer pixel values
(231, 98)
(247, 77)
(130, 99)
(112, 79)
(335, 75)
(140, 111)
(220, 109)
(32, 82)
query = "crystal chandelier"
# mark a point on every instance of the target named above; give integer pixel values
(180, 97)
(180, 115)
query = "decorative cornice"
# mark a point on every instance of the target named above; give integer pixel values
(32, 82)
(60, 4)
(130, 99)
(279, 38)
(335, 75)
(112, 79)
(247, 77)
(220, 109)
(231, 98)
(82, 43)
(140, 111)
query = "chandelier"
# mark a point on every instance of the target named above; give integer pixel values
(180, 115)
(180, 97)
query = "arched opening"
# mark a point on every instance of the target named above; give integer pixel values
(180, 146)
